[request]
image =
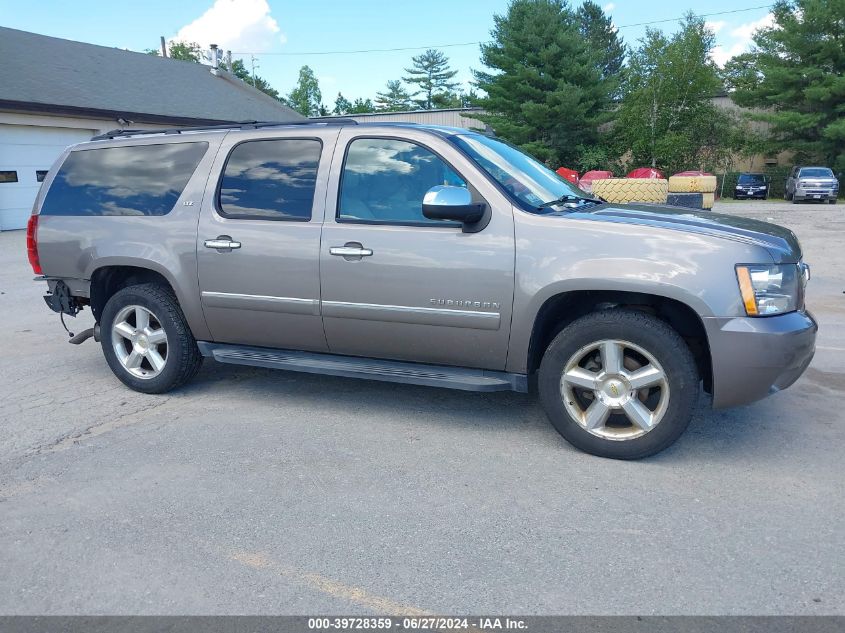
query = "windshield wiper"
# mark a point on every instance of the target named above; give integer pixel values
(568, 198)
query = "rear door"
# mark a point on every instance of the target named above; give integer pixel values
(419, 290)
(258, 240)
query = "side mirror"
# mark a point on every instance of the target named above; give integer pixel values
(443, 202)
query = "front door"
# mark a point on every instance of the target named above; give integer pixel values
(258, 241)
(396, 285)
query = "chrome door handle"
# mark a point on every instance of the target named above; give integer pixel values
(224, 242)
(350, 251)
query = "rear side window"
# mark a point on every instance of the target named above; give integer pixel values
(131, 180)
(270, 180)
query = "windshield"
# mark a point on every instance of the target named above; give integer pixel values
(752, 179)
(815, 172)
(526, 179)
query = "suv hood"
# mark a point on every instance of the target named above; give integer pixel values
(779, 241)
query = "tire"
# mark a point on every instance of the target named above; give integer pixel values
(637, 332)
(622, 190)
(692, 184)
(688, 200)
(168, 350)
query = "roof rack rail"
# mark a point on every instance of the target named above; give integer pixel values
(237, 125)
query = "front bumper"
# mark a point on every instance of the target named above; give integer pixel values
(816, 194)
(745, 193)
(753, 357)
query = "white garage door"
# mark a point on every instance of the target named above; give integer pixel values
(26, 150)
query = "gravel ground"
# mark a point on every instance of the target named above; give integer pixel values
(253, 491)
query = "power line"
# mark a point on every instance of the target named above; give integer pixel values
(436, 46)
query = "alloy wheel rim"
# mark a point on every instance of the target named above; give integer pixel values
(615, 390)
(139, 342)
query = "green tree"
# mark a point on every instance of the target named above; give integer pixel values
(667, 118)
(431, 73)
(306, 98)
(342, 105)
(544, 90)
(394, 98)
(184, 51)
(796, 75)
(362, 106)
(603, 39)
(239, 70)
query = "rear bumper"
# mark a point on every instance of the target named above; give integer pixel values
(753, 357)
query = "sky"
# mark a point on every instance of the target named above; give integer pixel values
(284, 35)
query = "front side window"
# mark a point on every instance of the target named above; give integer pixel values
(270, 180)
(385, 180)
(130, 180)
(526, 179)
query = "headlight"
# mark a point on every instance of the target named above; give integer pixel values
(768, 290)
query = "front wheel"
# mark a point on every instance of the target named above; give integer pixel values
(146, 340)
(619, 384)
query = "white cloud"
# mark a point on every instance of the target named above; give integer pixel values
(746, 31)
(608, 7)
(716, 25)
(739, 38)
(242, 26)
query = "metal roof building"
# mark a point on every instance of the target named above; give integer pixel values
(55, 92)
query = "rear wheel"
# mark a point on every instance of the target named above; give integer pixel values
(146, 340)
(619, 384)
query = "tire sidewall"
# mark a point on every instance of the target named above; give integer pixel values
(138, 295)
(667, 347)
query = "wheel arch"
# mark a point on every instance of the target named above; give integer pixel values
(561, 309)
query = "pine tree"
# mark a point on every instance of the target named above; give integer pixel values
(603, 39)
(342, 105)
(362, 106)
(395, 98)
(430, 71)
(545, 92)
(796, 76)
(306, 97)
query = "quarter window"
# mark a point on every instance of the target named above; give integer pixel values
(270, 180)
(128, 180)
(385, 180)
(8, 176)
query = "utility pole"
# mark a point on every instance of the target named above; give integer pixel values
(252, 60)
(229, 61)
(163, 47)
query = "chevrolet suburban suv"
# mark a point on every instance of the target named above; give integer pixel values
(416, 254)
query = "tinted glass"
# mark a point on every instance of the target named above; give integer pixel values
(385, 180)
(752, 179)
(8, 176)
(270, 180)
(40, 174)
(130, 180)
(525, 178)
(815, 172)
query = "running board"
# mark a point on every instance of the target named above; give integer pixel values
(367, 368)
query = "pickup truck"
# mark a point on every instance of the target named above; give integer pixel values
(416, 254)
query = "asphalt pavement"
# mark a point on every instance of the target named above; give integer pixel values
(267, 492)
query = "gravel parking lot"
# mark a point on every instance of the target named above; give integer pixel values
(254, 491)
